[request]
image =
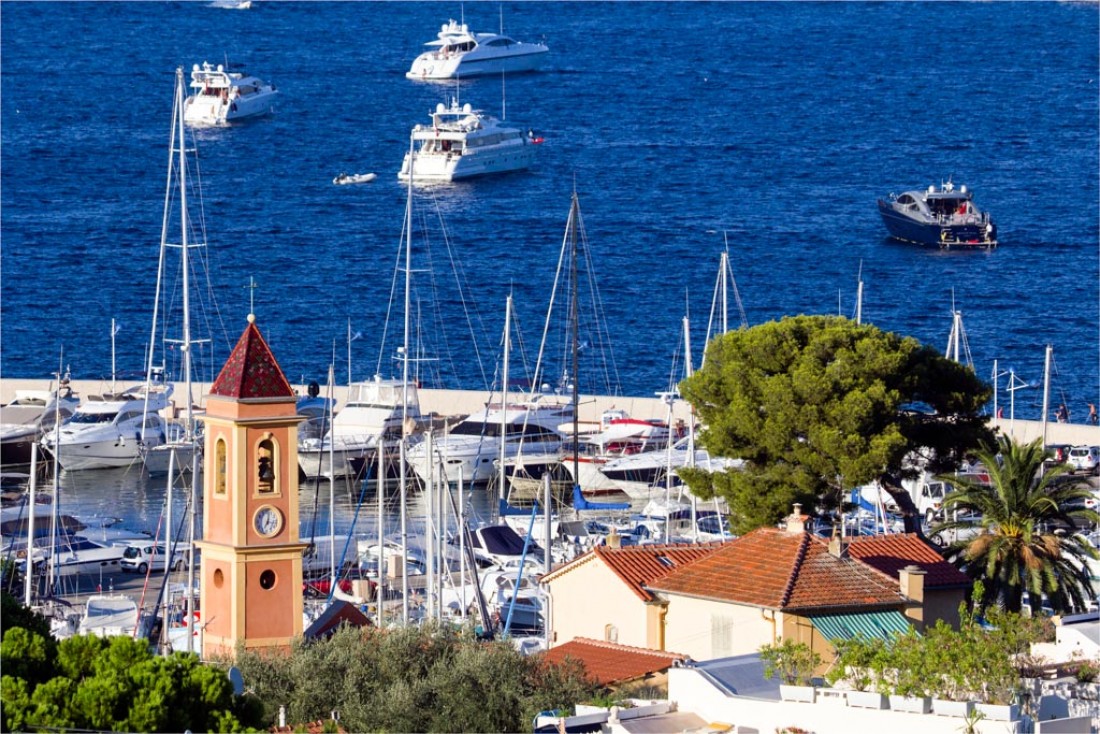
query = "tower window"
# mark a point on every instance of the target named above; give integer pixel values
(220, 467)
(265, 467)
(267, 580)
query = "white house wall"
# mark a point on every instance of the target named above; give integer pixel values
(705, 630)
(589, 598)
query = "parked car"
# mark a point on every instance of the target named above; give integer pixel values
(141, 555)
(1058, 453)
(1084, 459)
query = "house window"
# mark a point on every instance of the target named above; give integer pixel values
(721, 636)
(611, 633)
(220, 467)
(266, 478)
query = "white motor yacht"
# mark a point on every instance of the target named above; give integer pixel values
(469, 448)
(109, 430)
(26, 418)
(638, 473)
(223, 96)
(373, 411)
(463, 142)
(456, 52)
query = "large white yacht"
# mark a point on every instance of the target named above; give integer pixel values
(463, 142)
(223, 96)
(373, 411)
(109, 430)
(456, 52)
(468, 450)
(637, 474)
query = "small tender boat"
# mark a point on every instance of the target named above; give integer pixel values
(223, 96)
(457, 52)
(463, 142)
(354, 178)
(943, 217)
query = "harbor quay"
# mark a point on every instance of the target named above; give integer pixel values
(448, 403)
(442, 403)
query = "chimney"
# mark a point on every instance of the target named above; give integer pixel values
(911, 581)
(796, 523)
(614, 540)
(838, 546)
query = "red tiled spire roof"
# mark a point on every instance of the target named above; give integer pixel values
(781, 570)
(891, 553)
(607, 662)
(251, 370)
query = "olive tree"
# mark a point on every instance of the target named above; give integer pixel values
(817, 404)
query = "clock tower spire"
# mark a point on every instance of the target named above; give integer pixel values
(251, 581)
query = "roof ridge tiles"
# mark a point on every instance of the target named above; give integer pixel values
(796, 567)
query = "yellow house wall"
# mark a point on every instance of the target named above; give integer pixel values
(588, 598)
(941, 605)
(706, 629)
(801, 629)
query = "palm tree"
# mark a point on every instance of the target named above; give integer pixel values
(1019, 532)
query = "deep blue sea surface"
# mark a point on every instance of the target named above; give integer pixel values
(777, 123)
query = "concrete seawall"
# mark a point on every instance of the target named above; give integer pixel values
(441, 402)
(463, 402)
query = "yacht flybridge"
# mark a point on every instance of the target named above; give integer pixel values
(463, 142)
(458, 52)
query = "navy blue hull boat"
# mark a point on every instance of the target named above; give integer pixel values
(943, 217)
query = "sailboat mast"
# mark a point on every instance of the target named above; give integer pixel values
(573, 313)
(1046, 392)
(32, 493)
(403, 485)
(504, 399)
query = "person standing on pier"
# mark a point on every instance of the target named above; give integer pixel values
(1093, 418)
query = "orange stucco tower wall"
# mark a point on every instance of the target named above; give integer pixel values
(251, 580)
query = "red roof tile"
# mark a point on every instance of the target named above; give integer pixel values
(780, 570)
(891, 553)
(609, 663)
(638, 565)
(251, 370)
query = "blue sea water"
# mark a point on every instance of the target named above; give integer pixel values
(778, 124)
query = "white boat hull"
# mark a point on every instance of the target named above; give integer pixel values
(428, 67)
(472, 461)
(449, 167)
(318, 463)
(109, 454)
(158, 458)
(201, 111)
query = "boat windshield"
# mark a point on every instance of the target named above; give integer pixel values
(93, 418)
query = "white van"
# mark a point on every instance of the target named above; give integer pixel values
(141, 555)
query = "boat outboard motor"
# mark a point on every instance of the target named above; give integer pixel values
(314, 389)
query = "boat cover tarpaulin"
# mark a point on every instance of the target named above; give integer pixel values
(499, 540)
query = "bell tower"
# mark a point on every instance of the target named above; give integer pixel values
(251, 580)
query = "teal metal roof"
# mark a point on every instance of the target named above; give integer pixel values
(871, 625)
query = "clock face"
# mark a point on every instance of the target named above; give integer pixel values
(268, 521)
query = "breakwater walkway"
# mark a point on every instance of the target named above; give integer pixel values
(464, 402)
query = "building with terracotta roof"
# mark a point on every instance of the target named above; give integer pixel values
(609, 664)
(780, 583)
(903, 556)
(602, 595)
